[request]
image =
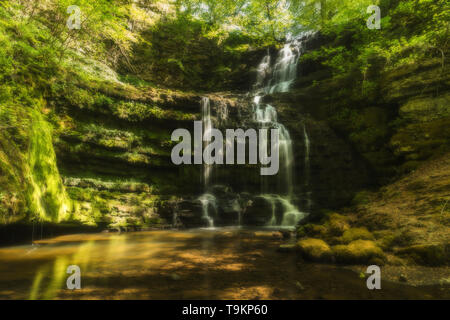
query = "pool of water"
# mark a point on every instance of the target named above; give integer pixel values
(195, 264)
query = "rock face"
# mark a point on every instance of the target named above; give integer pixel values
(228, 206)
(353, 144)
(190, 214)
(259, 212)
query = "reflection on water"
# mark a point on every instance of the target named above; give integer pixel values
(199, 264)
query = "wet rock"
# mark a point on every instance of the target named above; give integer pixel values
(228, 212)
(167, 210)
(190, 214)
(287, 234)
(258, 213)
(228, 205)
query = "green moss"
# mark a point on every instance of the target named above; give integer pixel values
(47, 197)
(362, 197)
(353, 234)
(315, 250)
(425, 109)
(420, 141)
(134, 111)
(337, 224)
(312, 230)
(427, 254)
(359, 251)
(391, 239)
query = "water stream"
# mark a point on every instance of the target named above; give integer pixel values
(272, 79)
(208, 200)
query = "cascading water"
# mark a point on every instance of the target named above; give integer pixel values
(207, 200)
(307, 167)
(285, 70)
(207, 136)
(272, 80)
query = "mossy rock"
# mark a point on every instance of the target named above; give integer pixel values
(312, 230)
(363, 197)
(353, 234)
(315, 250)
(337, 224)
(426, 108)
(426, 254)
(390, 239)
(420, 141)
(359, 251)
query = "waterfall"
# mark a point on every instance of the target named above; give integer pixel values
(291, 215)
(207, 200)
(285, 70)
(307, 167)
(307, 151)
(273, 79)
(207, 137)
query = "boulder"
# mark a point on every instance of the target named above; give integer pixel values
(359, 251)
(315, 250)
(427, 254)
(259, 212)
(228, 212)
(190, 214)
(353, 234)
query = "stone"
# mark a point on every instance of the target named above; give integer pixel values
(359, 251)
(427, 254)
(258, 213)
(190, 214)
(315, 250)
(356, 234)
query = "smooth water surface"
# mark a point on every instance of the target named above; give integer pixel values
(196, 264)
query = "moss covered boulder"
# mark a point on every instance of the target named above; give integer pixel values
(427, 254)
(353, 234)
(337, 224)
(359, 251)
(315, 250)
